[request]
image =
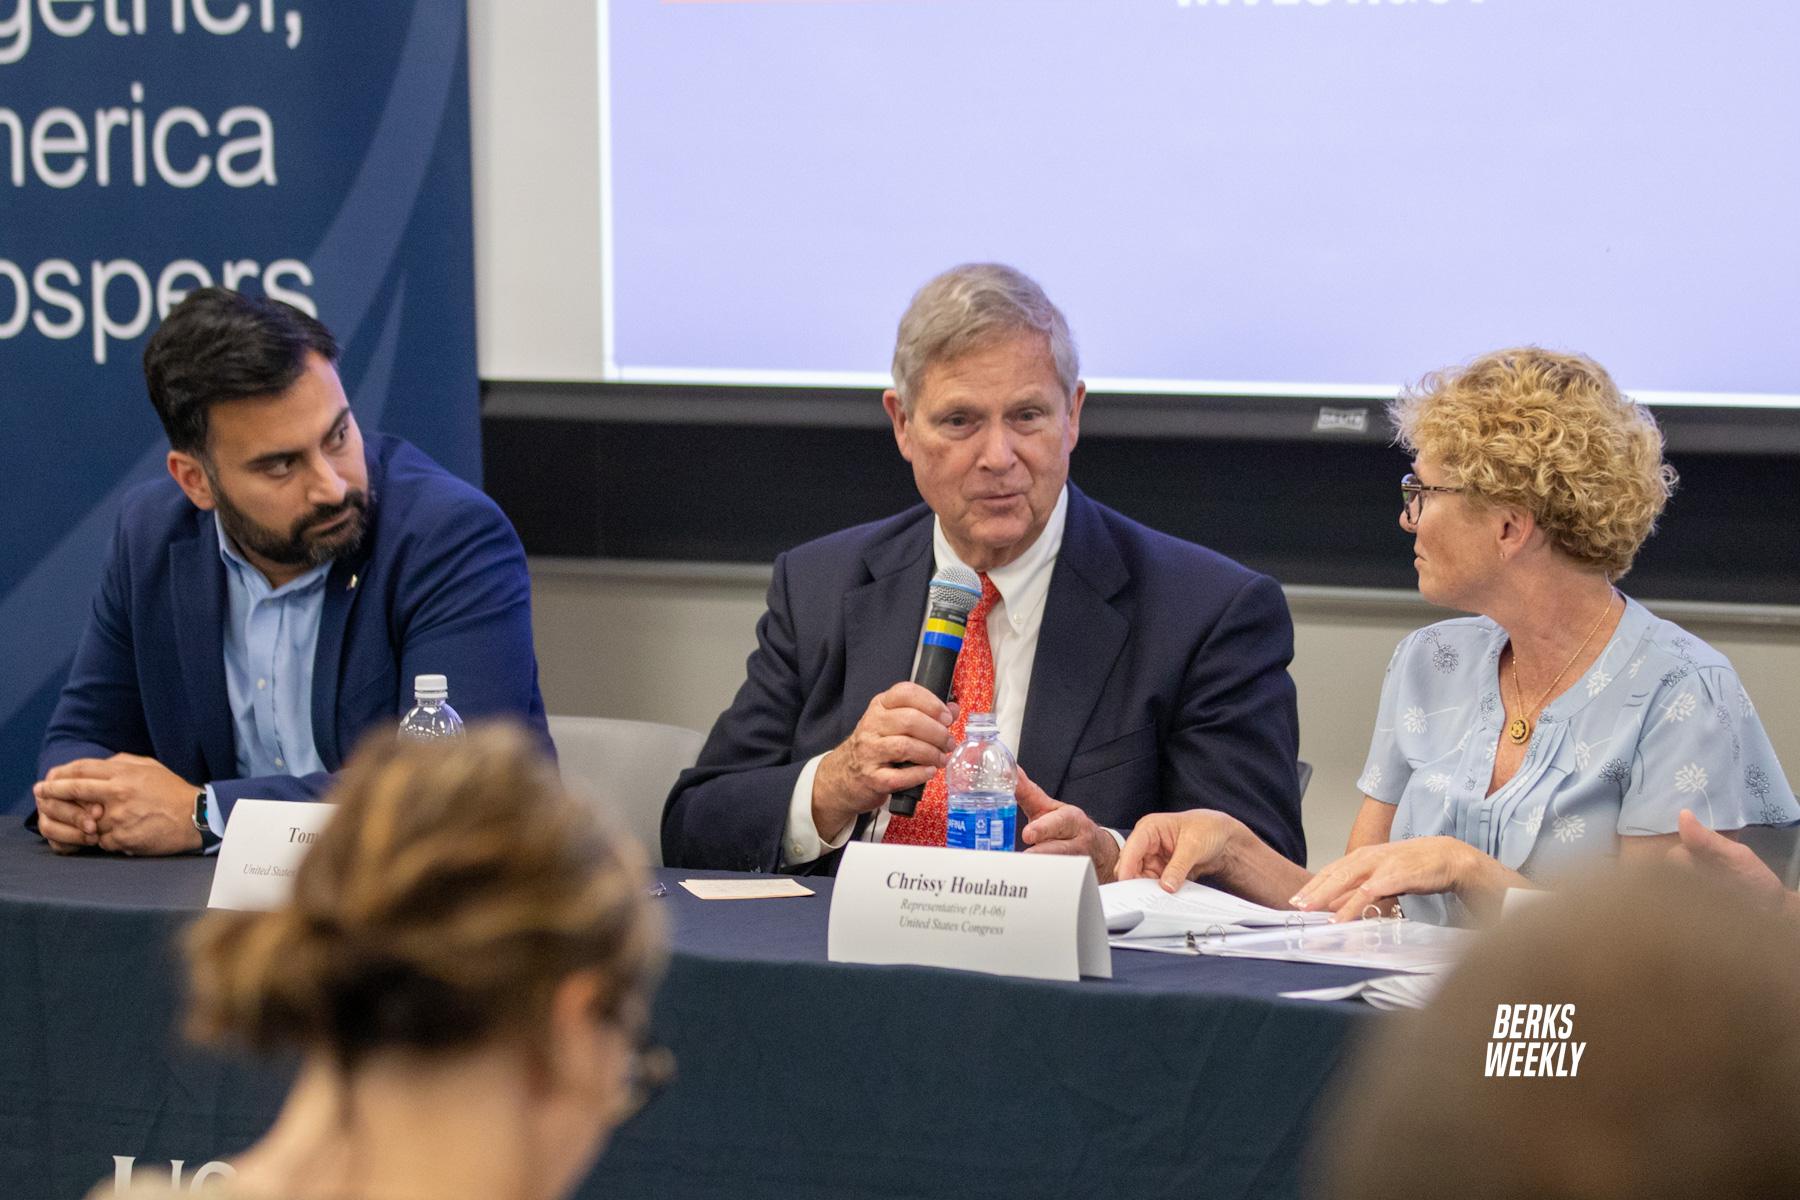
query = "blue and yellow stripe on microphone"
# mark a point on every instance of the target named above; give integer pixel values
(945, 633)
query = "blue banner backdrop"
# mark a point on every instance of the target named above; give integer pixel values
(313, 151)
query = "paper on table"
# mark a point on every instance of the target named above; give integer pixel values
(1386, 992)
(1179, 943)
(1139, 908)
(1348, 991)
(1402, 991)
(1385, 944)
(745, 889)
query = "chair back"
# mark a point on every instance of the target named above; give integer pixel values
(628, 766)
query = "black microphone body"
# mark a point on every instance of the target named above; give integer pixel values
(936, 669)
(954, 593)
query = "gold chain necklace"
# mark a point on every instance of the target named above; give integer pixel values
(1519, 728)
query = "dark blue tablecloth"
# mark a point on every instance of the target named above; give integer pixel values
(1179, 1077)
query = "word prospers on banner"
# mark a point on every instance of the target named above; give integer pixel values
(139, 141)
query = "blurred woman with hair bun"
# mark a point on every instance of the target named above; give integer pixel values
(466, 969)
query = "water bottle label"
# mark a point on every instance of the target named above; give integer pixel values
(983, 824)
(1002, 825)
(965, 829)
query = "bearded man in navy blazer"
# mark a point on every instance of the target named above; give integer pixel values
(273, 599)
(1132, 672)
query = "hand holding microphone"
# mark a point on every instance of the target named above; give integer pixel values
(903, 737)
(953, 596)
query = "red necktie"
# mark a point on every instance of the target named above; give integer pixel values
(973, 687)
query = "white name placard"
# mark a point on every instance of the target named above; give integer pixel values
(1034, 915)
(264, 843)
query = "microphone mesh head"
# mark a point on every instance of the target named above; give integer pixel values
(956, 588)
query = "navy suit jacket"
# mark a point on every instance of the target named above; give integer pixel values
(438, 586)
(1160, 683)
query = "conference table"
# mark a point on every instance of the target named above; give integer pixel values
(797, 1077)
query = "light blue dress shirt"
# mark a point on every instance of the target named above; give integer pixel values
(1659, 723)
(271, 638)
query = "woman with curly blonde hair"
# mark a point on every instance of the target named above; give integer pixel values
(1563, 722)
(465, 968)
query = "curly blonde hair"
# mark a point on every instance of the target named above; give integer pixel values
(1552, 434)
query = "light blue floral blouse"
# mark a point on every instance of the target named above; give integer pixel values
(1659, 723)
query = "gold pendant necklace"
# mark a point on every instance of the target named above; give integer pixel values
(1519, 728)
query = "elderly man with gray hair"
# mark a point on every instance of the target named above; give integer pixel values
(1130, 671)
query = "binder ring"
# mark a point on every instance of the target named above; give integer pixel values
(1209, 933)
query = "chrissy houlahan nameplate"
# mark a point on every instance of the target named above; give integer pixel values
(1034, 915)
(264, 843)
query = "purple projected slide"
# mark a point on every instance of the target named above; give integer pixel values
(1307, 197)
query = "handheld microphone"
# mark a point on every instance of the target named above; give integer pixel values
(954, 593)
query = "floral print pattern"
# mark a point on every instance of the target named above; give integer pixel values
(1649, 728)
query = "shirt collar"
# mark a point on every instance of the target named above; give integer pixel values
(1023, 583)
(253, 576)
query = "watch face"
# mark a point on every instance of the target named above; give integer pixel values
(208, 838)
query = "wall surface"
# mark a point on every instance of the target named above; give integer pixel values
(667, 643)
(535, 137)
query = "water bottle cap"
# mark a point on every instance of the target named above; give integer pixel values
(431, 687)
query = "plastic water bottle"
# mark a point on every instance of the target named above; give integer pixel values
(430, 718)
(980, 781)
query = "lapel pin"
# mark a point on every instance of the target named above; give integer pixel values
(351, 586)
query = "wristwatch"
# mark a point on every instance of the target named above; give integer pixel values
(208, 839)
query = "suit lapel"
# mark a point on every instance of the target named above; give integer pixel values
(197, 598)
(1078, 642)
(342, 586)
(882, 617)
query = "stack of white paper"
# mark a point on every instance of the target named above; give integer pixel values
(1138, 910)
(1386, 944)
(1384, 991)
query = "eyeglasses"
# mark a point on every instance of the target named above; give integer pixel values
(1412, 495)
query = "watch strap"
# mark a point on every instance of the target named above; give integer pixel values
(203, 802)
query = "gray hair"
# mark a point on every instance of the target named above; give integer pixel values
(969, 307)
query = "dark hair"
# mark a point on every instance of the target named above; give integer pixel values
(223, 345)
(1685, 993)
(457, 885)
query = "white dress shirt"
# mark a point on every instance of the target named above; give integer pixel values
(1012, 629)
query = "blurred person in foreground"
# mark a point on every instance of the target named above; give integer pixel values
(466, 968)
(1562, 723)
(1132, 672)
(1684, 995)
